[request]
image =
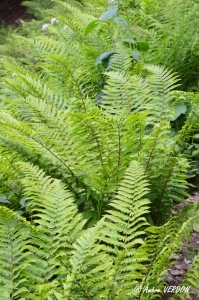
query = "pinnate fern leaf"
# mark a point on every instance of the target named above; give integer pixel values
(54, 213)
(91, 266)
(14, 257)
(124, 231)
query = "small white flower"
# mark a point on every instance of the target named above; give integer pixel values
(66, 27)
(111, 1)
(54, 20)
(1, 59)
(101, 17)
(45, 27)
(13, 74)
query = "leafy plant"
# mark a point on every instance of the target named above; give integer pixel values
(53, 257)
(170, 28)
(91, 163)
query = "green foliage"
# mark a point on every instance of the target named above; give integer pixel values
(53, 257)
(85, 146)
(38, 7)
(51, 118)
(93, 154)
(171, 28)
(14, 257)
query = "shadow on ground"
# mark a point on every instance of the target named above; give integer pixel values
(11, 11)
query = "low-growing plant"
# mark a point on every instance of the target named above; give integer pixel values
(121, 257)
(171, 27)
(92, 160)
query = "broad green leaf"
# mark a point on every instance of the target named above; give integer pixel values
(180, 108)
(196, 136)
(92, 222)
(59, 296)
(152, 229)
(121, 22)
(3, 199)
(135, 56)
(104, 57)
(128, 42)
(23, 201)
(91, 26)
(143, 46)
(88, 214)
(195, 152)
(110, 13)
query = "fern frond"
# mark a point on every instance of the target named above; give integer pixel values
(162, 83)
(10, 187)
(121, 61)
(159, 150)
(53, 211)
(85, 266)
(26, 140)
(14, 257)
(75, 17)
(124, 231)
(38, 7)
(124, 94)
(56, 206)
(162, 242)
(128, 94)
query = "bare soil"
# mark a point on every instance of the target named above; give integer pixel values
(11, 11)
(184, 258)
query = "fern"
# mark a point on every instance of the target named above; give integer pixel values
(106, 261)
(88, 155)
(58, 225)
(171, 21)
(70, 142)
(14, 257)
(86, 268)
(190, 281)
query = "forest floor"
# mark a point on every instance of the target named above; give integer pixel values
(183, 259)
(10, 12)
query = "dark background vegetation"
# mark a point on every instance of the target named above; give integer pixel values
(11, 11)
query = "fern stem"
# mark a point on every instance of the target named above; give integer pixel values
(119, 145)
(97, 142)
(176, 125)
(156, 221)
(58, 158)
(76, 83)
(12, 264)
(152, 151)
(129, 31)
(152, 260)
(111, 37)
(140, 139)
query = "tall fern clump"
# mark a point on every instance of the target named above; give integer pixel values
(53, 257)
(90, 167)
(171, 27)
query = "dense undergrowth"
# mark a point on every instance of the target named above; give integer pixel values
(99, 128)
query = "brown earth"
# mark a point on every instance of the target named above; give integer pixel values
(11, 11)
(183, 259)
